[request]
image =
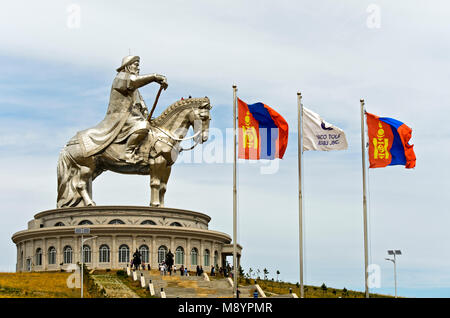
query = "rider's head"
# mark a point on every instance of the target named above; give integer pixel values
(130, 64)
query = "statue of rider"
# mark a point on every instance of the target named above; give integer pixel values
(126, 117)
(137, 259)
(169, 260)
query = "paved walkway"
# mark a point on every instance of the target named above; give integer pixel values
(114, 287)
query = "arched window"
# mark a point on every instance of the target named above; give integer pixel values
(103, 253)
(67, 253)
(85, 222)
(86, 254)
(51, 255)
(175, 224)
(216, 258)
(124, 254)
(38, 257)
(206, 258)
(179, 255)
(59, 224)
(162, 251)
(116, 221)
(194, 256)
(148, 222)
(144, 253)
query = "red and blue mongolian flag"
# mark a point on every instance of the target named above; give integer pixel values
(388, 142)
(263, 133)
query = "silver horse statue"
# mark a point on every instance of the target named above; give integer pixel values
(158, 150)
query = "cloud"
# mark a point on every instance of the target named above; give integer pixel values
(56, 81)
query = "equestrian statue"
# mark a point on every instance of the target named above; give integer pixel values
(129, 141)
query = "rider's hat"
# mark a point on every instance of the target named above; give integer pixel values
(127, 60)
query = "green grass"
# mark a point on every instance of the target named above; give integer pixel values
(41, 285)
(53, 284)
(135, 286)
(279, 288)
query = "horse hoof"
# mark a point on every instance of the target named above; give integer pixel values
(92, 204)
(155, 205)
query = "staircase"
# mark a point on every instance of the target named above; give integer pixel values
(177, 286)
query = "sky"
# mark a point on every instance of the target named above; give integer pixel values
(58, 60)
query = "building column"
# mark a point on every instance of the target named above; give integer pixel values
(22, 256)
(94, 256)
(188, 254)
(114, 253)
(32, 256)
(154, 253)
(76, 252)
(17, 257)
(133, 245)
(201, 254)
(223, 259)
(19, 254)
(172, 245)
(59, 253)
(44, 254)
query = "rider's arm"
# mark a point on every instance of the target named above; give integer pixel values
(137, 81)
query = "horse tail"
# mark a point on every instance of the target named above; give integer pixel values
(69, 174)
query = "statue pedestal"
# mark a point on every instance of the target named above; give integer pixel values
(50, 242)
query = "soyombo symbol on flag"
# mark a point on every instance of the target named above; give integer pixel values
(388, 142)
(263, 133)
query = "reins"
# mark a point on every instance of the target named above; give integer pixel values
(183, 139)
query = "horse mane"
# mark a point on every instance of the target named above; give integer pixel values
(177, 107)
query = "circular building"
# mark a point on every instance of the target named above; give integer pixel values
(51, 243)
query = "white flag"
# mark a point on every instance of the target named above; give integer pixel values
(320, 135)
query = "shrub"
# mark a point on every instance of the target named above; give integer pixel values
(121, 273)
(345, 292)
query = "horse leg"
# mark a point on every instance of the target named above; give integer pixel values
(163, 185)
(84, 185)
(157, 170)
(154, 190)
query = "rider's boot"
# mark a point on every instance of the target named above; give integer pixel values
(133, 142)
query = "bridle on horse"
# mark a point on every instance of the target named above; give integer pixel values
(197, 116)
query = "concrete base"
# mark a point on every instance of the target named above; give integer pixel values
(50, 242)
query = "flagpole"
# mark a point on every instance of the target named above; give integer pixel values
(300, 196)
(363, 151)
(234, 197)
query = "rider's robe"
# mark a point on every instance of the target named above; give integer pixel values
(126, 114)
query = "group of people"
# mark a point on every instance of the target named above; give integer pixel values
(183, 271)
(226, 271)
(199, 271)
(141, 266)
(164, 269)
(167, 266)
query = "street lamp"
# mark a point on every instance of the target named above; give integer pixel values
(83, 231)
(394, 252)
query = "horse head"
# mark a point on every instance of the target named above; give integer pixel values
(183, 114)
(200, 118)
